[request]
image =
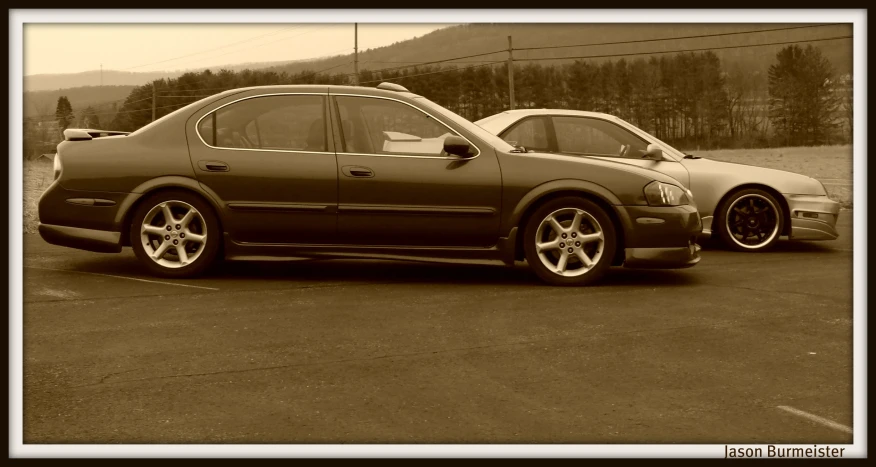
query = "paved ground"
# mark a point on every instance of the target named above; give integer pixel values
(371, 352)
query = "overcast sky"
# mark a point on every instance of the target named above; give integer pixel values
(72, 48)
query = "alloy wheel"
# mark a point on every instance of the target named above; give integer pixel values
(752, 221)
(174, 234)
(569, 242)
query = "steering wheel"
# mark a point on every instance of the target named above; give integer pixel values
(623, 150)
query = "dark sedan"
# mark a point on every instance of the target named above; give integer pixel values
(336, 171)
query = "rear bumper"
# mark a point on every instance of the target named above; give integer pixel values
(662, 258)
(812, 217)
(99, 241)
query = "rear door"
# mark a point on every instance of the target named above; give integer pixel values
(270, 160)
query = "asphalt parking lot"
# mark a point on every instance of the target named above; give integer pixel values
(347, 351)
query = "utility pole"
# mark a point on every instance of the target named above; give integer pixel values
(510, 73)
(154, 99)
(356, 54)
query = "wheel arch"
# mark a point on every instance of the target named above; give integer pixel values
(547, 196)
(174, 183)
(786, 210)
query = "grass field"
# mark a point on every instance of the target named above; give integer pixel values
(37, 177)
(830, 164)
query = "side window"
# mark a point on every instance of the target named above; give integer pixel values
(205, 129)
(592, 136)
(382, 126)
(531, 133)
(291, 122)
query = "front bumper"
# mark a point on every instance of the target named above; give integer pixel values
(99, 241)
(662, 258)
(660, 237)
(812, 217)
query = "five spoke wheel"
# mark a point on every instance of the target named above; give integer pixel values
(173, 234)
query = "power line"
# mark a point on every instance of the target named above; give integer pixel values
(259, 45)
(434, 72)
(681, 50)
(211, 50)
(442, 61)
(678, 37)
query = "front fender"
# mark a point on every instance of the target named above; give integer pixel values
(555, 186)
(712, 180)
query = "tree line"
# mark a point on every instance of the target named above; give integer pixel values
(688, 100)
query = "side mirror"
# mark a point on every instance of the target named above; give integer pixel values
(458, 146)
(653, 152)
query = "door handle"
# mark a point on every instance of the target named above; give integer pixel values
(213, 166)
(356, 171)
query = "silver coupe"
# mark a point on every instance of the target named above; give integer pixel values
(746, 207)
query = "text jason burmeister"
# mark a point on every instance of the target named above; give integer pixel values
(783, 451)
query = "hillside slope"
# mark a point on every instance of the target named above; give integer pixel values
(480, 38)
(38, 103)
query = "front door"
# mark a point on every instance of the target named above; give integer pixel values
(270, 161)
(397, 186)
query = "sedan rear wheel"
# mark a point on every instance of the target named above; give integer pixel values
(175, 234)
(751, 220)
(569, 241)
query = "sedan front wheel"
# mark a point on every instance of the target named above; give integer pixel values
(569, 241)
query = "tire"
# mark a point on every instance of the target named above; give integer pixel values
(147, 240)
(599, 249)
(750, 220)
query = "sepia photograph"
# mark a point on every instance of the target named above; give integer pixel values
(437, 233)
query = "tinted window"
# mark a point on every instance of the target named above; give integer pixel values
(597, 137)
(381, 126)
(205, 129)
(530, 133)
(274, 122)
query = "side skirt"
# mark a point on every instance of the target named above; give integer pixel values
(501, 253)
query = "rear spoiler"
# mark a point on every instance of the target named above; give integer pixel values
(84, 134)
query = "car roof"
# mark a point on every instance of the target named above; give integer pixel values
(319, 88)
(577, 113)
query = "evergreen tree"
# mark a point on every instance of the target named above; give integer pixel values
(803, 104)
(63, 113)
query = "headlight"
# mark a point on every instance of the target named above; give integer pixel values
(665, 194)
(57, 166)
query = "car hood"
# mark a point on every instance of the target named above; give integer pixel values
(618, 164)
(783, 181)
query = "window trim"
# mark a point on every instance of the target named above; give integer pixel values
(293, 151)
(408, 156)
(589, 154)
(550, 132)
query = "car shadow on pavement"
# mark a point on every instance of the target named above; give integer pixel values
(782, 246)
(314, 271)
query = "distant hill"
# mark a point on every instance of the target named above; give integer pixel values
(479, 38)
(99, 97)
(122, 78)
(473, 39)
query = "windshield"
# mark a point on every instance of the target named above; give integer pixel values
(485, 135)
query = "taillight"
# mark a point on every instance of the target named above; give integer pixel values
(57, 166)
